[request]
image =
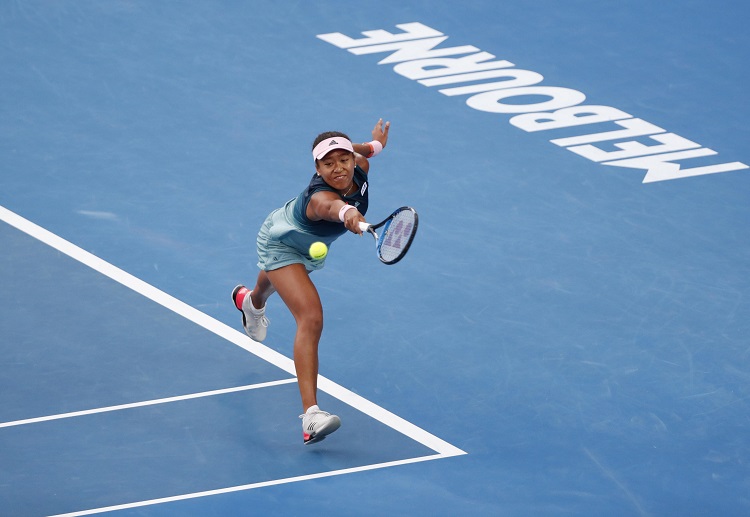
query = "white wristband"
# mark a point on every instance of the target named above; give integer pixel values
(375, 148)
(344, 210)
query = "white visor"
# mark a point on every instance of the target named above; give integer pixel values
(329, 144)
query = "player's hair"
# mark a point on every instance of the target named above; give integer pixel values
(328, 134)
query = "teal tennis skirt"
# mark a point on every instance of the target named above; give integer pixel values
(281, 243)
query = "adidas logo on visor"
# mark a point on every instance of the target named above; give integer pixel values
(325, 146)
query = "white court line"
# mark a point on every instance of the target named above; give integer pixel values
(144, 403)
(248, 487)
(441, 447)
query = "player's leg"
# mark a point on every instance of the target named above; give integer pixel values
(252, 304)
(262, 290)
(298, 292)
(300, 295)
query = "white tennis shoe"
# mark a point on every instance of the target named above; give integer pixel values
(253, 320)
(317, 424)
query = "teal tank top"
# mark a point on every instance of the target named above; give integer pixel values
(329, 229)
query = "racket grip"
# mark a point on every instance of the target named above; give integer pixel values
(364, 226)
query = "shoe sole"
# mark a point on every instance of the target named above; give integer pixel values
(324, 431)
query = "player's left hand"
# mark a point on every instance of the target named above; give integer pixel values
(380, 132)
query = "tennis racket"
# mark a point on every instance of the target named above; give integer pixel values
(398, 230)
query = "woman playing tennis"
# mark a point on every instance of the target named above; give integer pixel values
(335, 201)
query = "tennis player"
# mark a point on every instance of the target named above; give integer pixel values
(335, 201)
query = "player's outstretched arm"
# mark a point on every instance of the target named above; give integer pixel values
(325, 205)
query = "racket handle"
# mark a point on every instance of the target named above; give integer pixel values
(364, 226)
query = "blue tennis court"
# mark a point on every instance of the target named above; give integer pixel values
(566, 336)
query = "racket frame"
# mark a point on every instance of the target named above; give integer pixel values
(380, 239)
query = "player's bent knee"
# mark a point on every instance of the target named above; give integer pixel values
(311, 321)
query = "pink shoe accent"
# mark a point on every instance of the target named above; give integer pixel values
(240, 297)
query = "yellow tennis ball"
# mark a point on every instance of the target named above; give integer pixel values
(318, 250)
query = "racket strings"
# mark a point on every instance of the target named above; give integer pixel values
(397, 236)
